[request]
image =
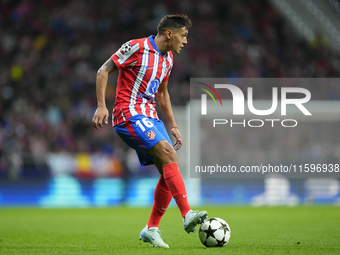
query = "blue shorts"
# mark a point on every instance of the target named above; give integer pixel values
(142, 133)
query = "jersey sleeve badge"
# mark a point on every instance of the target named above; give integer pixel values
(126, 47)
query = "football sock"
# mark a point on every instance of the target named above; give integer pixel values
(162, 200)
(175, 183)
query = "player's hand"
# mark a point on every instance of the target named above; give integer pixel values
(179, 141)
(100, 114)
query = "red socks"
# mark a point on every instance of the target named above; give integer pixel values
(162, 200)
(172, 186)
(175, 183)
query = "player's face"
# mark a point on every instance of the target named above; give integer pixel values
(178, 39)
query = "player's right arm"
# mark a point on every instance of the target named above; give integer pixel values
(101, 82)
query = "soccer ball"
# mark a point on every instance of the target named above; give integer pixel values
(214, 232)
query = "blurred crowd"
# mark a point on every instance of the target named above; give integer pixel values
(50, 52)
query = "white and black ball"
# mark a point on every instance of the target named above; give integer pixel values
(214, 232)
(126, 47)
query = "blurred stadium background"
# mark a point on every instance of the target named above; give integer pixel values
(51, 156)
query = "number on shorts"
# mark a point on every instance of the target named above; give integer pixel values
(146, 123)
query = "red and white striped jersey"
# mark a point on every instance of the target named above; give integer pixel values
(141, 69)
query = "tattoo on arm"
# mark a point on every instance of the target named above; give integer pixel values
(110, 66)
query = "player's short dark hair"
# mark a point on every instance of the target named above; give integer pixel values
(173, 21)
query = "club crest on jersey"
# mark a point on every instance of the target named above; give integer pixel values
(150, 134)
(153, 87)
(126, 47)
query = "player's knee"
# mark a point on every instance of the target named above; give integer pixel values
(169, 155)
(164, 152)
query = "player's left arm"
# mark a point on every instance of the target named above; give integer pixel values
(164, 102)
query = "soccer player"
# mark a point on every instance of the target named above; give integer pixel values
(144, 67)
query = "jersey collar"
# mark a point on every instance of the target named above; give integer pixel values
(151, 38)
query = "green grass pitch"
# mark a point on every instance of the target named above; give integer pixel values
(262, 230)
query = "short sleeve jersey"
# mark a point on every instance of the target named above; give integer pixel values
(142, 68)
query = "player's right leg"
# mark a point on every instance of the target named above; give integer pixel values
(174, 180)
(159, 146)
(162, 199)
(152, 235)
(132, 135)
